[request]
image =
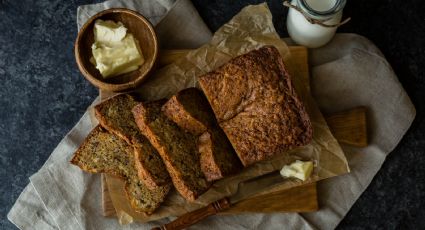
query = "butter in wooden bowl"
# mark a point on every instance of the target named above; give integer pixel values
(115, 51)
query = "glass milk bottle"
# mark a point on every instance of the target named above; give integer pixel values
(313, 23)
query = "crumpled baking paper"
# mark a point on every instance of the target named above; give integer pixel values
(252, 28)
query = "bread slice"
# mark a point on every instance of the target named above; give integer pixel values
(115, 116)
(190, 110)
(218, 159)
(104, 152)
(256, 105)
(176, 147)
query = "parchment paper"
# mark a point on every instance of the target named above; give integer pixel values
(348, 72)
(250, 29)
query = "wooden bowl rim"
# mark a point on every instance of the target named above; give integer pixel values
(109, 86)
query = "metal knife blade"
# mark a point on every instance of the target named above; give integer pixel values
(245, 189)
(255, 185)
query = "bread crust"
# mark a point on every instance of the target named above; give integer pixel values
(115, 116)
(218, 159)
(190, 110)
(256, 105)
(176, 147)
(99, 143)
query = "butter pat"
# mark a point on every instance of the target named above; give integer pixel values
(115, 51)
(109, 31)
(299, 169)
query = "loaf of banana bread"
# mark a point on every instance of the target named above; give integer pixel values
(104, 152)
(115, 115)
(176, 147)
(256, 105)
(190, 110)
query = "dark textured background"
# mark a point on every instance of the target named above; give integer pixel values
(43, 95)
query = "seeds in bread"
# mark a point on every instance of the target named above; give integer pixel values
(256, 105)
(190, 110)
(176, 147)
(115, 115)
(104, 152)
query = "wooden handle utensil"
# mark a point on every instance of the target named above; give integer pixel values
(191, 218)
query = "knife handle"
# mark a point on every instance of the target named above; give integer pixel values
(191, 218)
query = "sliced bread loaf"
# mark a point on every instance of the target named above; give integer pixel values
(115, 115)
(190, 110)
(176, 147)
(256, 105)
(104, 152)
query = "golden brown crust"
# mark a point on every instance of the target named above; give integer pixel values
(103, 152)
(115, 115)
(190, 110)
(256, 105)
(218, 159)
(143, 173)
(176, 147)
(175, 112)
(208, 164)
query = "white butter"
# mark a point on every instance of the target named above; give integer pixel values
(109, 31)
(115, 51)
(299, 169)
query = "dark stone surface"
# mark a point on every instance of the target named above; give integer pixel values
(43, 95)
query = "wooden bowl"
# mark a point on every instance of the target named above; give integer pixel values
(141, 29)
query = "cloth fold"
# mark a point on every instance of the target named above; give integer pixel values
(177, 23)
(348, 72)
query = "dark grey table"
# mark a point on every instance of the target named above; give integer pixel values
(43, 95)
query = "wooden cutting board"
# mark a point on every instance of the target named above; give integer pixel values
(350, 127)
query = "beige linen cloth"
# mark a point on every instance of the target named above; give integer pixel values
(348, 72)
